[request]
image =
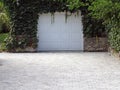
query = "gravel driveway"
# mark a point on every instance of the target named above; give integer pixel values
(59, 71)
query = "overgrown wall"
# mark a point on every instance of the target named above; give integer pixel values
(24, 17)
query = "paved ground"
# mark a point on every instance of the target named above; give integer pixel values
(59, 71)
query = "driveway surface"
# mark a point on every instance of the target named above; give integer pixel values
(59, 71)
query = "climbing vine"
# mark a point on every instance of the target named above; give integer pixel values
(109, 12)
(24, 17)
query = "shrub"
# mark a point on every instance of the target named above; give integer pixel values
(114, 38)
(109, 12)
(3, 38)
(4, 19)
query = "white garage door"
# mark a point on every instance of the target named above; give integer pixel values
(59, 32)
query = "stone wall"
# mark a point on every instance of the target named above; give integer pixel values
(96, 44)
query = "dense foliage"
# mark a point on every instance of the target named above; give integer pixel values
(3, 37)
(24, 16)
(109, 12)
(4, 25)
(4, 19)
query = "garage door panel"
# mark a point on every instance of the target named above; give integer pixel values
(60, 46)
(60, 35)
(58, 38)
(53, 46)
(49, 37)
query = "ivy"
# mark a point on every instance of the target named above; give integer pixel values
(24, 17)
(109, 12)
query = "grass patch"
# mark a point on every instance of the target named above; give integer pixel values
(3, 36)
